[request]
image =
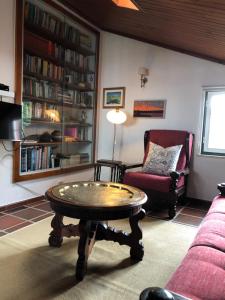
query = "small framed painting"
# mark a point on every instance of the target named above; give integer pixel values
(149, 108)
(114, 97)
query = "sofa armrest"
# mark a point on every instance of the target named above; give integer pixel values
(156, 293)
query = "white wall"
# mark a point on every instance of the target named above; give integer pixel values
(176, 77)
(10, 192)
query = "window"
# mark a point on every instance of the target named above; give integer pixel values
(213, 133)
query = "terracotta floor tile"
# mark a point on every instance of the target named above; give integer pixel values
(29, 213)
(45, 206)
(187, 220)
(12, 210)
(2, 233)
(9, 221)
(193, 212)
(42, 217)
(36, 203)
(163, 213)
(19, 226)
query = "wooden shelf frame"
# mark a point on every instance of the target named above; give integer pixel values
(20, 27)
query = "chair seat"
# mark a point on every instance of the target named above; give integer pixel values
(150, 181)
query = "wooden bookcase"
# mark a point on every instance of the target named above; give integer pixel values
(56, 83)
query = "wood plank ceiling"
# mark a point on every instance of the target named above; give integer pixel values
(195, 27)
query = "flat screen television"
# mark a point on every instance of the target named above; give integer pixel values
(10, 121)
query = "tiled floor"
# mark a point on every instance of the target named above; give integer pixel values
(190, 214)
(11, 220)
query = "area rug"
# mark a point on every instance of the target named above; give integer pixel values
(30, 269)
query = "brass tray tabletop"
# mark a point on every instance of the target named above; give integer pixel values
(97, 194)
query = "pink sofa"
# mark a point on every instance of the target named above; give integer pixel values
(201, 274)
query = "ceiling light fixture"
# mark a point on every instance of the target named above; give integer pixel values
(126, 3)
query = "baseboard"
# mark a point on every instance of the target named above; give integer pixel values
(197, 200)
(21, 203)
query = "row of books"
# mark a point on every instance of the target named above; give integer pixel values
(44, 111)
(75, 159)
(44, 89)
(39, 88)
(44, 47)
(85, 63)
(36, 16)
(39, 66)
(37, 158)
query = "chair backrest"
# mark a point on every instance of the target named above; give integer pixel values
(168, 138)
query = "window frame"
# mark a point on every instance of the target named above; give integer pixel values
(205, 124)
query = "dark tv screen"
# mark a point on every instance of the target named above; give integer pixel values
(10, 121)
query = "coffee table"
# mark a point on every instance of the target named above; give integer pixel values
(94, 203)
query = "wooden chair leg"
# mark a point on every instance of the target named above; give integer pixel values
(173, 206)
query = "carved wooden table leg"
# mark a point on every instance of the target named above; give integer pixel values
(137, 248)
(87, 238)
(132, 239)
(55, 239)
(60, 230)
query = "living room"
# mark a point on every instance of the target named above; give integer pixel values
(176, 77)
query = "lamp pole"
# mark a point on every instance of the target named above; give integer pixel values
(114, 142)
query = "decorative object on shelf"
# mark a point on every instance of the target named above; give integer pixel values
(45, 137)
(149, 108)
(114, 97)
(115, 116)
(143, 72)
(53, 115)
(56, 136)
(83, 116)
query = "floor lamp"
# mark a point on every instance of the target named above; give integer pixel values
(115, 116)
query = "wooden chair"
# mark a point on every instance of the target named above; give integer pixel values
(160, 187)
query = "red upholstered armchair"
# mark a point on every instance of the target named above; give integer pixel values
(163, 188)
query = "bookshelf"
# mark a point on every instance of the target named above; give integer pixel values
(56, 82)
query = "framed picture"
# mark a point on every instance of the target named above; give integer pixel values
(149, 108)
(114, 97)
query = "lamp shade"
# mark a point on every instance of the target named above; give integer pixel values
(116, 116)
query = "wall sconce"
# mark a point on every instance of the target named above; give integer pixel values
(143, 72)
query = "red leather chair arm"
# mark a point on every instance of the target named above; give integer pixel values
(177, 174)
(131, 166)
(124, 167)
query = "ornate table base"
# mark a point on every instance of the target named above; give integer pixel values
(90, 231)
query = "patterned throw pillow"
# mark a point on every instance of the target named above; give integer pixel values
(161, 160)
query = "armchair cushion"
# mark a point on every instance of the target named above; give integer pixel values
(147, 181)
(161, 160)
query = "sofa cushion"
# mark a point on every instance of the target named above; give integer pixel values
(149, 181)
(212, 232)
(201, 275)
